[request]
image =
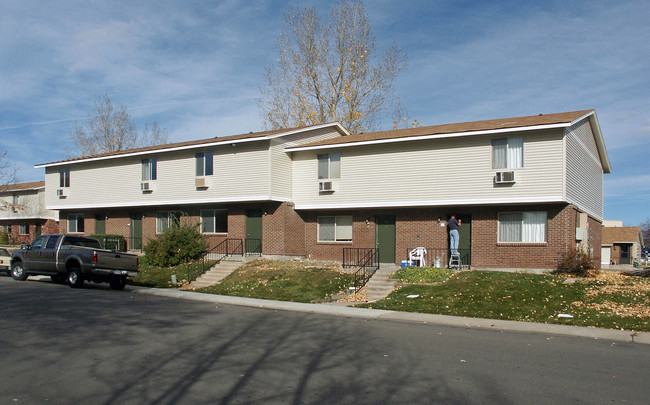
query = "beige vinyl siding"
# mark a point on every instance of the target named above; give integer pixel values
(431, 172)
(30, 205)
(240, 173)
(584, 172)
(281, 166)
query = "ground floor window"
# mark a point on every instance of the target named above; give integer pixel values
(24, 229)
(75, 223)
(214, 221)
(335, 229)
(529, 227)
(6, 229)
(167, 219)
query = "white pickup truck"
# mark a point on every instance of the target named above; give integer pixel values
(75, 259)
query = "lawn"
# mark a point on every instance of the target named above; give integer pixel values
(610, 300)
(160, 277)
(283, 281)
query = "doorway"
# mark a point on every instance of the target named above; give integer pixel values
(254, 231)
(385, 238)
(464, 238)
(136, 231)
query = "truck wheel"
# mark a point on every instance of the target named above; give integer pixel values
(18, 272)
(57, 278)
(117, 283)
(75, 278)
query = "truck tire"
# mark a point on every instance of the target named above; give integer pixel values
(117, 283)
(18, 272)
(75, 278)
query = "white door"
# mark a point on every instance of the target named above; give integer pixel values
(605, 255)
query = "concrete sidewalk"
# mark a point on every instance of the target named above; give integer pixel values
(456, 321)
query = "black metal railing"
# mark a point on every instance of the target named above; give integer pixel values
(355, 257)
(228, 247)
(367, 262)
(253, 247)
(133, 244)
(439, 257)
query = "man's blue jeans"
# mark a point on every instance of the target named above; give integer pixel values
(453, 240)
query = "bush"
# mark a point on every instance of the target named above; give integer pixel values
(177, 245)
(111, 241)
(5, 238)
(576, 262)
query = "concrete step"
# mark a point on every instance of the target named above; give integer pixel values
(218, 272)
(379, 285)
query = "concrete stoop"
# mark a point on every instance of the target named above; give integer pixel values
(379, 285)
(218, 272)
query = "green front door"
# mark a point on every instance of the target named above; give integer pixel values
(136, 232)
(100, 224)
(385, 238)
(254, 231)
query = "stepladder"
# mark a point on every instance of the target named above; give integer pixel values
(454, 261)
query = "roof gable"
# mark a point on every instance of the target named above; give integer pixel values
(621, 234)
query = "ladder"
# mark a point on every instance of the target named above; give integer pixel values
(454, 261)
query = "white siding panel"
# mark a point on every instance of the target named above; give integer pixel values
(584, 172)
(432, 171)
(240, 172)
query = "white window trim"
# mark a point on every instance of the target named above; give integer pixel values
(329, 166)
(214, 219)
(77, 218)
(521, 242)
(318, 222)
(508, 153)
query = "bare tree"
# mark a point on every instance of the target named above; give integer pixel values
(110, 130)
(8, 171)
(327, 71)
(645, 231)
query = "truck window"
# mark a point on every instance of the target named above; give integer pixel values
(38, 242)
(51, 242)
(83, 242)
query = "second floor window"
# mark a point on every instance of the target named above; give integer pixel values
(507, 153)
(149, 169)
(64, 178)
(204, 164)
(329, 166)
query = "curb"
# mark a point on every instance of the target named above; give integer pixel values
(381, 314)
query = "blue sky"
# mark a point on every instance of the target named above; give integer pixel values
(195, 67)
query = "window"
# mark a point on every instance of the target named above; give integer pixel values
(38, 242)
(149, 169)
(335, 229)
(214, 221)
(529, 227)
(204, 164)
(64, 178)
(75, 223)
(329, 166)
(15, 201)
(51, 242)
(6, 229)
(167, 219)
(507, 153)
(24, 229)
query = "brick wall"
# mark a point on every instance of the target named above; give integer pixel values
(47, 226)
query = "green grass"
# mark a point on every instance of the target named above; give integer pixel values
(412, 274)
(529, 297)
(159, 277)
(283, 281)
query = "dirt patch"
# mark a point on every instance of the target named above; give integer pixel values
(615, 283)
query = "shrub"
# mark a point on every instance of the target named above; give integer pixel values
(576, 262)
(178, 244)
(5, 238)
(111, 241)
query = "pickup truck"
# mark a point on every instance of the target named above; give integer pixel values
(75, 259)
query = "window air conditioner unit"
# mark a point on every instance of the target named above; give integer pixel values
(325, 186)
(200, 182)
(61, 193)
(146, 187)
(504, 177)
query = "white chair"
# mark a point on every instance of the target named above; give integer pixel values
(417, 256)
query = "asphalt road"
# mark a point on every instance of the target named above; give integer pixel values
(97, 346)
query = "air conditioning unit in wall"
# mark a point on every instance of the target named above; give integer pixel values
(61, 193)
(200, 182)
(326, 186)
(146, 187)
(504, 177)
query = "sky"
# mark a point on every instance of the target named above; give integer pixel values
(195, 67)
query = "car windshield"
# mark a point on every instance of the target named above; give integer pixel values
(4, 252)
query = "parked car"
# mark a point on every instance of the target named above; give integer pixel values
(5, 260)
(75, 259)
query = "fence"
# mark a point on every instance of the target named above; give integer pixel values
(439, 257)
(367, 261)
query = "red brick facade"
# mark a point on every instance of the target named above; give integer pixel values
(32, 225)
(289, 232)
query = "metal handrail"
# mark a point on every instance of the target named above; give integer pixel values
(227, 247)
(253, 247)
(368, 265)
(355, 257)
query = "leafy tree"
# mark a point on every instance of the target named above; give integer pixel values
(110, 130)
(327, 70)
